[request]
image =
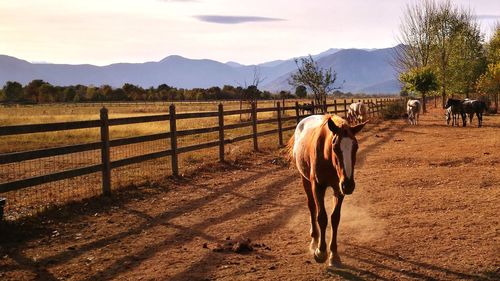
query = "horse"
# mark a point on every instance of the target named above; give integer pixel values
(357, 112)
(323, 149)
(413, 110)
(448, 115)
(474, 106)
(306, 107)
(456, 108)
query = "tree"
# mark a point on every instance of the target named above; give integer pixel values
(106, 92)
(467, 59)
(134, 92)
(13, 91)
(46, 93)
(301, 91)
(422, 80)
(444, 38)
(489, 82)
(31, 91)
(319, 80)
(416, 31)
(69, 94)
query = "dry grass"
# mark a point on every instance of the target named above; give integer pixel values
(31, 200)
(34, 199)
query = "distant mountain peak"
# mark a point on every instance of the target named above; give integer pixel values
(172, 58)
(234, 64)
(362, 70)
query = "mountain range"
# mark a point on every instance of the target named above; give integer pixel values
(358, 71)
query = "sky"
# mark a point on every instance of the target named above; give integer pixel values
(102, 32)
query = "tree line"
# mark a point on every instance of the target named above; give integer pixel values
(39, 91)
(443, 52)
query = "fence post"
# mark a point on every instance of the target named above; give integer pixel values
(173, 141)
(105, 155)
(297, 113)
(254, 126)
(335, 107)
(280, 130)
(2, 205)
(313, 108)
(221, 132)
(345, 108)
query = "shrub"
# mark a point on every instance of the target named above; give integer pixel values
(394, 110)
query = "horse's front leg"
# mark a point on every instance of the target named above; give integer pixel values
(334, 255)
(320, 254)
(311, 204)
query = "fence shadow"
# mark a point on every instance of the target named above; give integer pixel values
(21, 232)
(416, 269)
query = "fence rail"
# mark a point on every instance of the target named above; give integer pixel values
(106, 164)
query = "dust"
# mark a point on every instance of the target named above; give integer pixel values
(356, 221)
(359, 224)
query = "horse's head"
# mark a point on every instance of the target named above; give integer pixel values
(345, 146)
(448, 103)
(452, 102)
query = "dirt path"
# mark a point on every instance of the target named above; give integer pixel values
(425, 208)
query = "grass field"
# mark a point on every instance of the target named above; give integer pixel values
(31, 200)
(48, 113)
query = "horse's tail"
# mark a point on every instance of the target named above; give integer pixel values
(289, 148)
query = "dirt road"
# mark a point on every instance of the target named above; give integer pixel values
(425, 208)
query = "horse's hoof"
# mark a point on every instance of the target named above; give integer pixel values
(313, 246)
(320, 257)
(334, 260)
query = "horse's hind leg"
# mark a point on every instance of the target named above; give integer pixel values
(334, 255)
(320, 254)
(312, 210)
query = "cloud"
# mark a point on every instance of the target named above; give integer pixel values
(233, 19)
(488, 17)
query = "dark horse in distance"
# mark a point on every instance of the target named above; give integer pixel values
(457, 108)
(475, 106)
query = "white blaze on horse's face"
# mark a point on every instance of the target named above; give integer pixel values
(346, 146)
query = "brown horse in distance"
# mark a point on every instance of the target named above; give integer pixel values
(323, 149)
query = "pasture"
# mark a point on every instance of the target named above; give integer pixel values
(65, 162)
(425, 208)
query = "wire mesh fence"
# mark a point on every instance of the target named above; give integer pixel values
(243, 126)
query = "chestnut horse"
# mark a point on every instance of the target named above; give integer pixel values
(324, 150)
(357, 112)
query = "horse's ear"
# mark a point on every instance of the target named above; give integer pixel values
(334, 128)
(357, 128)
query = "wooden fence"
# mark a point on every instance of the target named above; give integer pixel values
(105, 144)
